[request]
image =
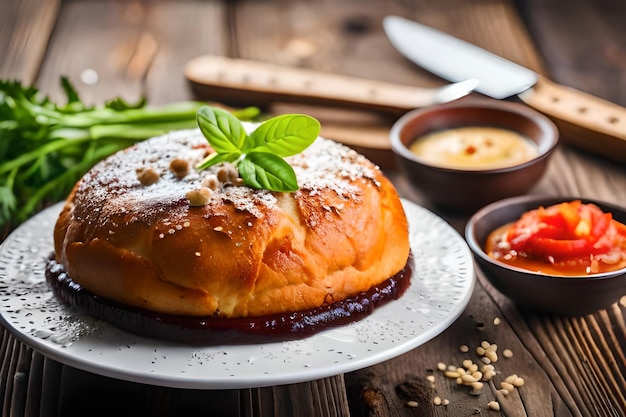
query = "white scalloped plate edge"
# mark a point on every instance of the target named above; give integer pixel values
(441, 286)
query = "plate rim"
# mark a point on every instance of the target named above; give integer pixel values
(301, 375)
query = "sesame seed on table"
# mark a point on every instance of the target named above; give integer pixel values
(495, 359)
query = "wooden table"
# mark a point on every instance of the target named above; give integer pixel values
(571, 366)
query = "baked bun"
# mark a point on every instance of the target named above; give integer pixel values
(144, 229)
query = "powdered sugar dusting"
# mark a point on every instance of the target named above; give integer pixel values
(329, 165)
(115, 187)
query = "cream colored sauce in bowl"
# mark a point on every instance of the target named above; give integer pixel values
(475, 147)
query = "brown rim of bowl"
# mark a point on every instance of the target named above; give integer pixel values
(477, 248)
(544, 123)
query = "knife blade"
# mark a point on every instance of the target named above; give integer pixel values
(588, 122)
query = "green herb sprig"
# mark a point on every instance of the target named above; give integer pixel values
(46, 147)
(258, 156)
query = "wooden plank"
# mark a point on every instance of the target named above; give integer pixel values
(316, 41)
(347, 38)
(6, 356)
(343, 37)
(35, 383)
(127, 49)
(404, 379)
(50, 388)
(140, 47)
(570, 174)
(23, 45)
(591, 63)
(324, 397)
(20, 381)
(93, 45)
(131, 49)
(339, 37)
(181, 31)
(8, 374)
(313, 36)
(576, 59)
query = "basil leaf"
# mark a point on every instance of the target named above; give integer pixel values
(216, 158)
(224, 131)
(267, 171)
(284, 135)
(258, 156)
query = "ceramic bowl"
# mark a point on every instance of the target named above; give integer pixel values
(470, 189)
(564, 295)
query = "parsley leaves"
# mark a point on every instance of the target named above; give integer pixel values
(45, 147)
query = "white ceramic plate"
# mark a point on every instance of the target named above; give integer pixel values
(441, 285)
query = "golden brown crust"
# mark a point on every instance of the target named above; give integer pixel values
(244, 253)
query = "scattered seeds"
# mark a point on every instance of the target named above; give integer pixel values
(452, 374)
(497, 321)
(507, 386)
(511, 378)
(412, 404)
(488, 372)
(477, 385)
(493, 405)
(468, 379)
(474, 375)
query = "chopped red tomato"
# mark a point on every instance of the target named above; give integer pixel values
(565, 231)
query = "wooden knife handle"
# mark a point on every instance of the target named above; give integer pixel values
(585, 121)
(246, 82)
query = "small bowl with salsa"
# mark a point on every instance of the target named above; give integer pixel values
(552, 254)
(466, 154)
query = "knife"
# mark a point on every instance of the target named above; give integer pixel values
(585, 121)
(248, 82)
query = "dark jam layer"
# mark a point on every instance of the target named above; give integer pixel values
(217, 331)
